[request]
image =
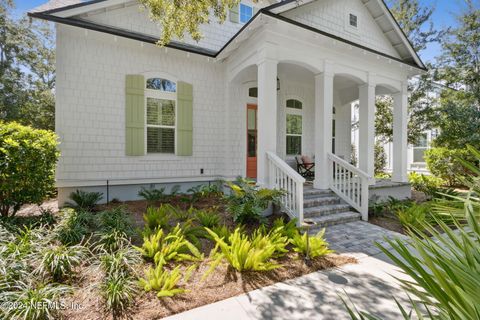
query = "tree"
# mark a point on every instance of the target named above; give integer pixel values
(415, 21)
(458, 116)
(179, 17)
(27, 74)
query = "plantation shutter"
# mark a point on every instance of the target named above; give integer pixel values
(234, 15)
(184, 119)
(135, 115)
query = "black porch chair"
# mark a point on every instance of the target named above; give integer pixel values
(305, 168)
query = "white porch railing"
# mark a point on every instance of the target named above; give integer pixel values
(282, 176)
(350, 184)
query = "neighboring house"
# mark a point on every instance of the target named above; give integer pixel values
(244, 100)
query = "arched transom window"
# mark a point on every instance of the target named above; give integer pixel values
(161, 100)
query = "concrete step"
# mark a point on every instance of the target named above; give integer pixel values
(333, 219)
(321, 201)
(312, 193)
(325, 210)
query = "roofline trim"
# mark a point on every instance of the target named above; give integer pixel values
(208, 53)
(122, 33)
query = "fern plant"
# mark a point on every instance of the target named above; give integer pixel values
(156, 218)
(162, 248)
(288, 229)
(247, 201)
(164, 282)
(311, 246)
(84, 200)
(245, 253)
(152, 195)
(208, 218)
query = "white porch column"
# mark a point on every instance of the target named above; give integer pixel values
(400, 121)
(366, 156)
(343, 131)
(323, 126)
(266, 115)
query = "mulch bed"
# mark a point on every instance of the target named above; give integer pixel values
(388, 223)
(223, 283)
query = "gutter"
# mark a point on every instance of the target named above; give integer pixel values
(197, 50)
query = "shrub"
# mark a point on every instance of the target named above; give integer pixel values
(156, 218)
(119, 293)
(164, 282)
(203, 191)
(125, 261)
(73, 226)
(116, 219)
(37, 301)
(442, 262)
(27, 163)
(152, 195)
(380, 159)
(84, 200)
(247, 253)
(112, 241)
(60, 261)
(208, 218)
(313, 247)
(430, 185)
(414, 216)
(247, 201)
(444, 164)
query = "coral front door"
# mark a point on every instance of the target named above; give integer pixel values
(252, 141)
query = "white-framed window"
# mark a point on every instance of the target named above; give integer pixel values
(246, 12)
(161, 110)
(420, 147)
(294, 125)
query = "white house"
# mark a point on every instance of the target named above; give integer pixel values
(269, 83)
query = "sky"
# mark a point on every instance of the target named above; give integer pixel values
(443, 16)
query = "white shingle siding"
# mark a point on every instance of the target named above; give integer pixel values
(136, 18)
(90, 108)
(332, 16)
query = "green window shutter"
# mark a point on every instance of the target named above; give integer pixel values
(184, 119)
(234, 15)
(135, 115)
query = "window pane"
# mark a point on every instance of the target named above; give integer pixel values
(253, 92)
(295, 104)
(294, 145)
(422, 141)
(160, 140)
(161, 84)
(419, 154)
(160, 112)
(246, 13)
(294, 124)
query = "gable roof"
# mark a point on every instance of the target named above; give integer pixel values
(63, 11)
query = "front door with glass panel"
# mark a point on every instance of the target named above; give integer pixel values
(252, 139)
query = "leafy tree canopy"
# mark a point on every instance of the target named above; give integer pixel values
(180, 17)
(27, 74)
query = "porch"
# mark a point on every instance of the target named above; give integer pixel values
(291, 108)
